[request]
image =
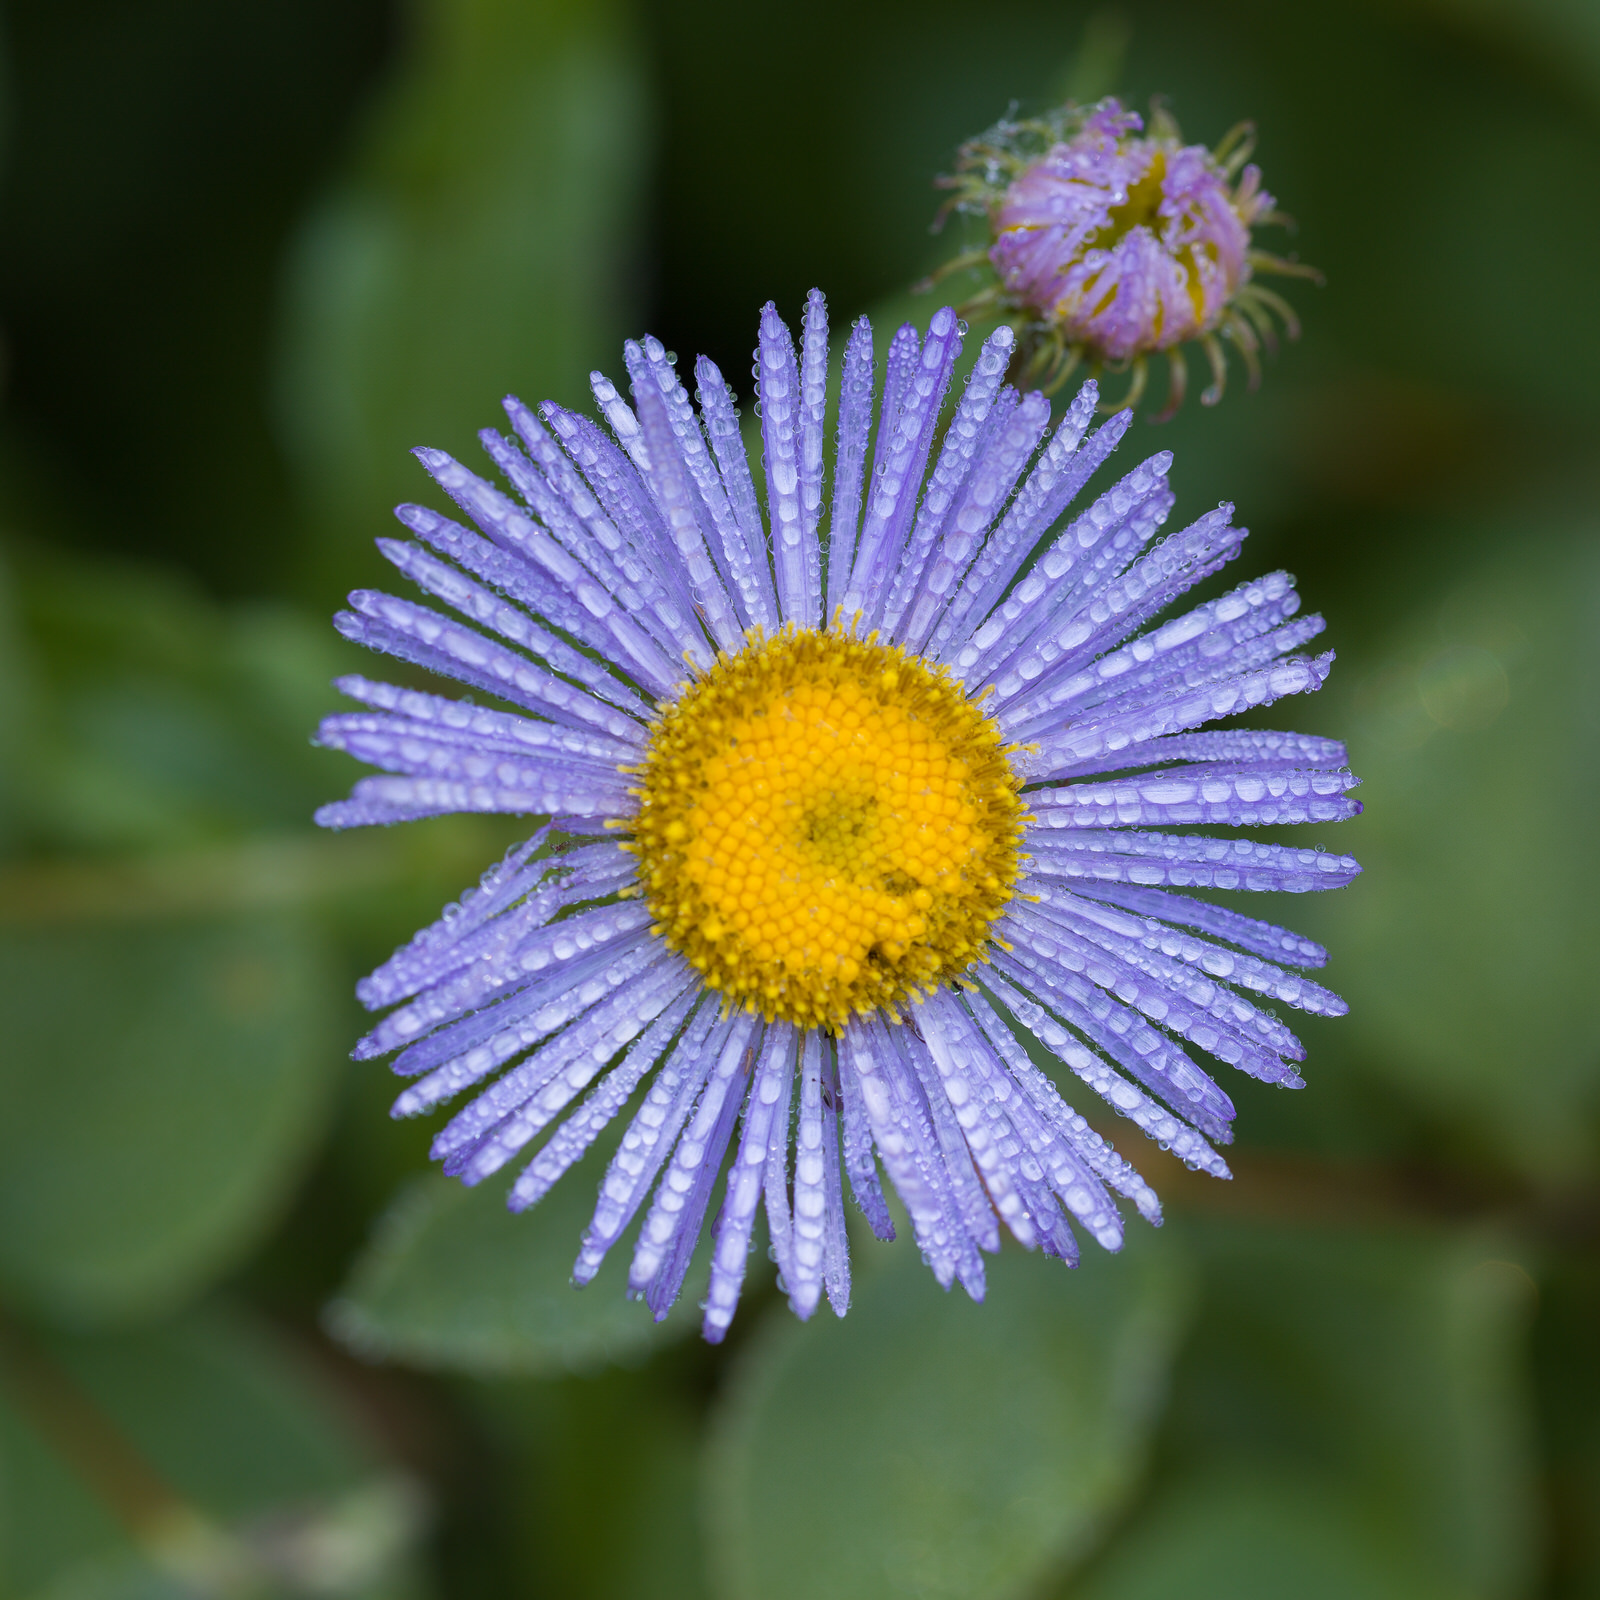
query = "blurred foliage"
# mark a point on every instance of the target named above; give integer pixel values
(178, 1072)
(1346, 1420)
(454, 1280)
(126, 1476)
(1470, 941)
(479, 240)
(949, 1449)
(249, 256)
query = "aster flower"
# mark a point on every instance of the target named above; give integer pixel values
(1108, 246)
(850, 818)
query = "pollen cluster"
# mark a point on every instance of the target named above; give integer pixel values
(826, 827)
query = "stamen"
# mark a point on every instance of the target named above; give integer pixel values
(827, 827)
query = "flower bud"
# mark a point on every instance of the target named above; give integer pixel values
(1109, 243)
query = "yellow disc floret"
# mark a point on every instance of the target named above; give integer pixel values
(826, 827)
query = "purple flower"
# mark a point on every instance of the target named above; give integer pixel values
(905, 824)
(1109, 246)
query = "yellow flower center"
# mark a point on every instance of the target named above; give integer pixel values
(827, 827)
(1141, 209)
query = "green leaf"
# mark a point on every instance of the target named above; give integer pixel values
(14, 685)
(928, 1446)
(1562, 36)
(1567, 1379)
(602, 1478)
(160, 719)
(480, 244)
(1381, 1368)
(160, 1089)
(196, 1457)
(1253, 1538)
(454, 1280)
(1466, 950)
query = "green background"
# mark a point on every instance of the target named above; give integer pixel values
(249, 1345)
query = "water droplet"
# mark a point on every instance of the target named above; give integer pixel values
(961, 328)
(672, 358)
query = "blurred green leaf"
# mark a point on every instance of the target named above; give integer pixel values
(199, 1457)
(128, 1577)
(161, 719)
(1567, 1380)
(14, 679)
(160, 1089)
(1562, 36)
(1253, 1538)
(1467, 949)
(1379, 1369)
(928, 1446)
(1266, 1537)
(454, 1280)
(602, 1478)
(481, 242)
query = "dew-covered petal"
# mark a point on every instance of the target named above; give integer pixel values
(967, 1195)
(1205, 642)
(1179, 861)
(1077, 994)
(911, 1156)
(778, 388)
(1012, 985)
(1231, 796)
(1070, 962)
(905, 436)
(1066, 635)
(1096, 546)
(559, 496)
(509, 570)
(688, 524)
(1081, 1164)
(968, 434)
(480, 1139)
(1216, 961)
(731, 1233)
(502, 521)
(445, 945)
(1059, 474)
(626, 500)
(813, 425)
(955, 1054)
(983, 495)
(672, 1224)
(749, 558)
(650, 1135)
(572, 1139)
(1114, 731)
(1249, 933)
(858, 1147)
(498, 729)
(428, 639)
(817, 1196)
(471, 1004)
(850, 461)
(472, 1048)
(1236, 746)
